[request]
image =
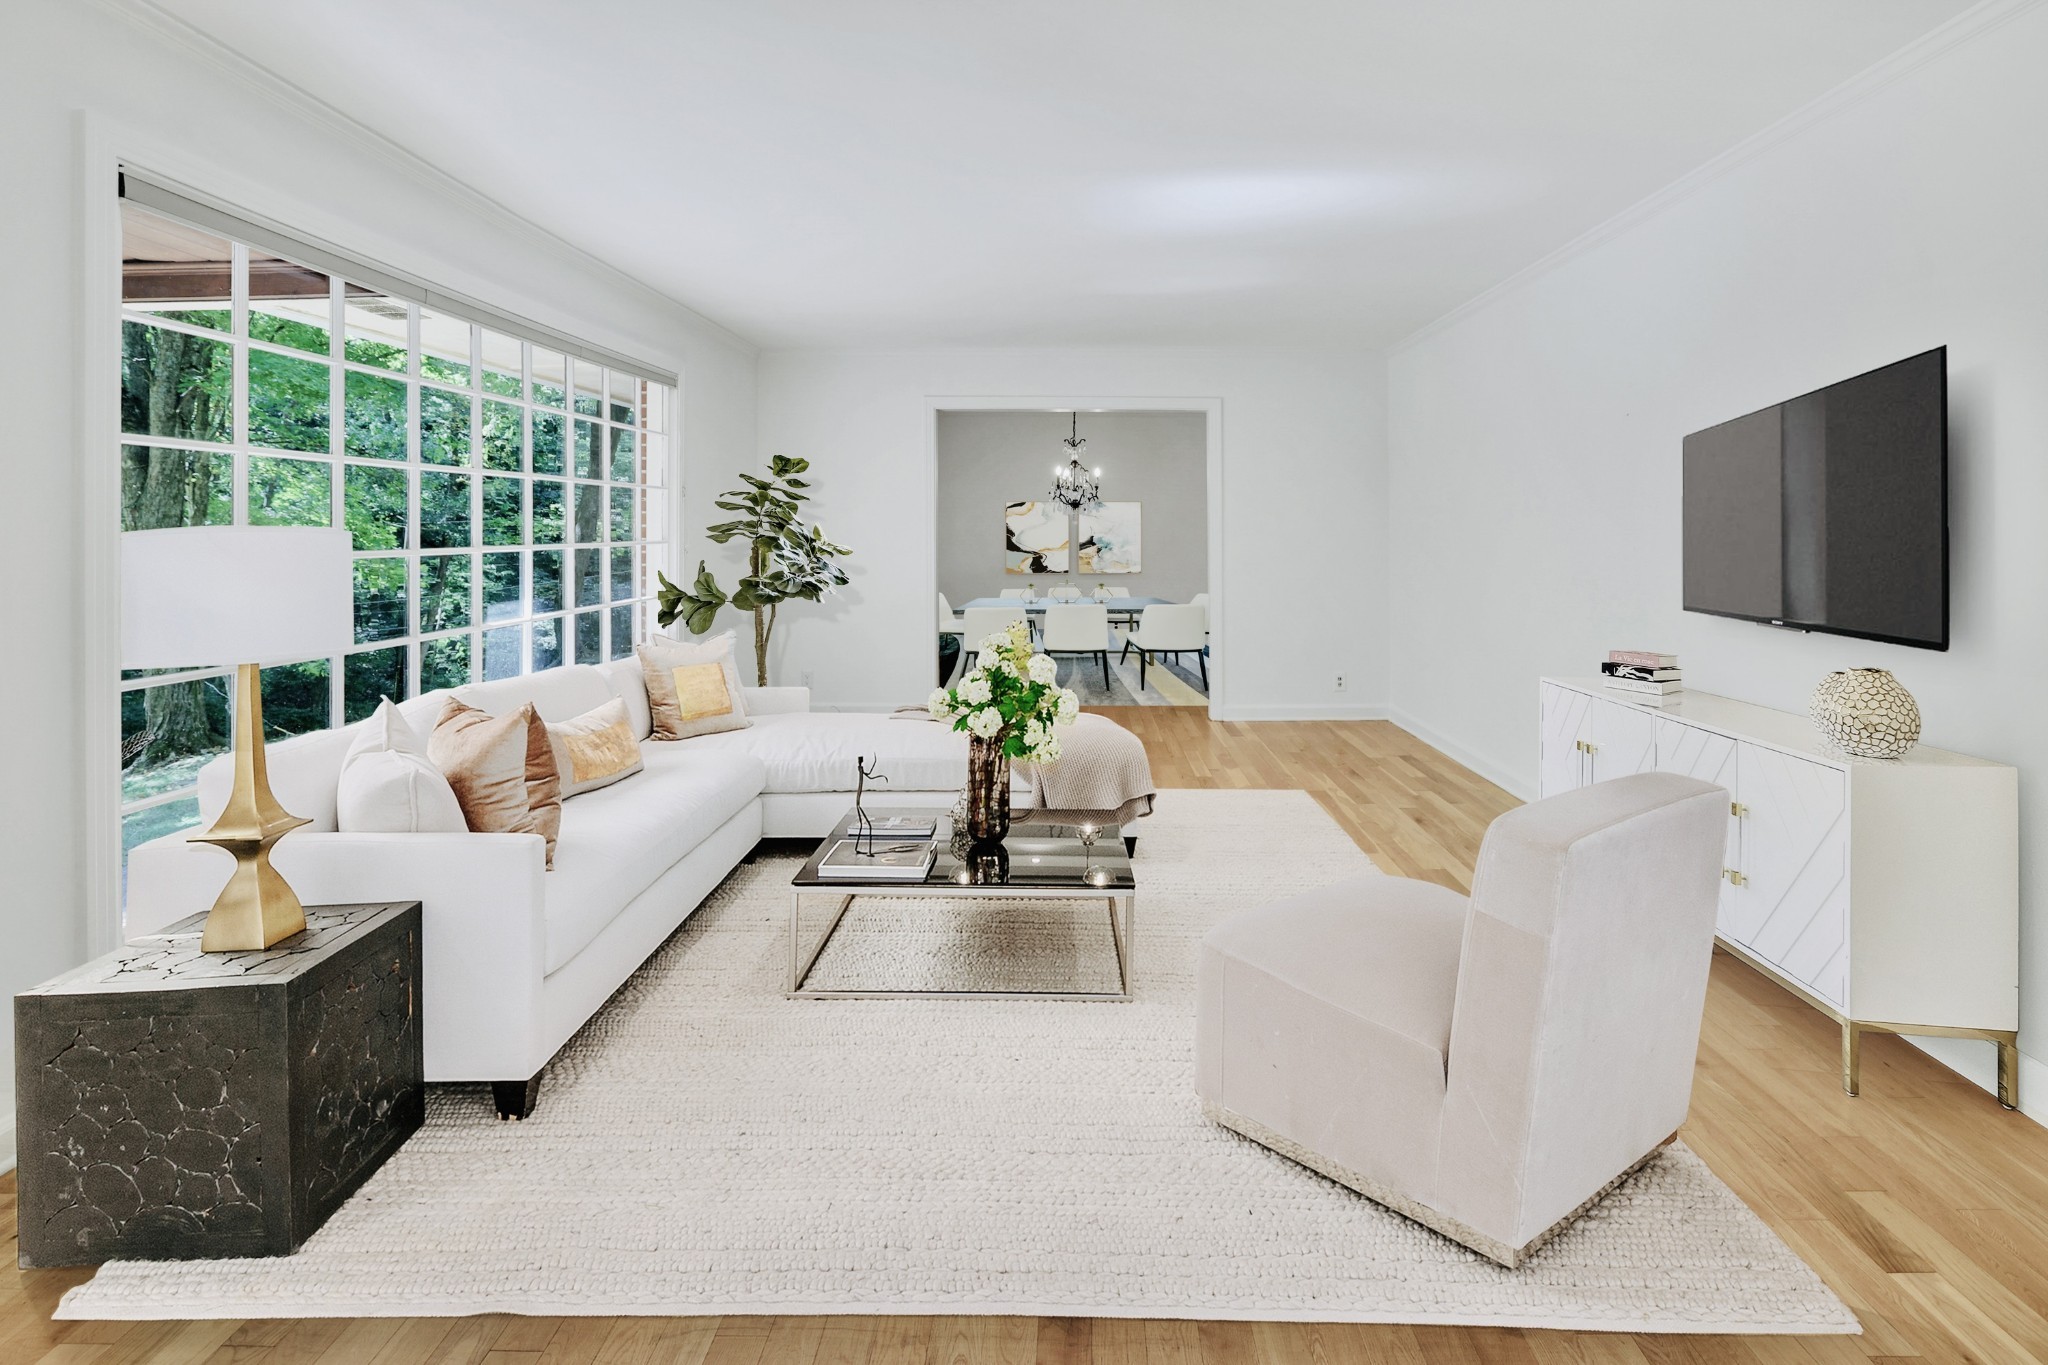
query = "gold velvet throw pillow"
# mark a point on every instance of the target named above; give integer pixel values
(502, 769)
(595, 750)
(693, 688)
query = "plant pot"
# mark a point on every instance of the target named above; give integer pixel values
(988, 790)
(1866, 712)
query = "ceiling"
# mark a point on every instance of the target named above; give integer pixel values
(1067, 172)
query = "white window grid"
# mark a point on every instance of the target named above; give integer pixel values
(651, 425)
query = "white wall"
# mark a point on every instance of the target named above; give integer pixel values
(1304, 508)
(1158, 460)
(1535, 439)
(99, 85)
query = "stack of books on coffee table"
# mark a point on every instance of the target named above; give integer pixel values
(1642, 675)
(891, 848)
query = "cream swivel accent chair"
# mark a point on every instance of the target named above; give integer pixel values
(1172, 629)
(1078, 629)
(978, 623)
(1489, 1067)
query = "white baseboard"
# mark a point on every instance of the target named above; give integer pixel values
(7, 1143)
(1513, 784)
(1977, 1063)
(1364, 710)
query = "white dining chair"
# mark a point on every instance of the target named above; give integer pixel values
(1064, 592)
(1170, 629)
(978, 623)
(949, 624)
(1123, 616)
(1013, 594)
(1079, 629)
(1201, 599)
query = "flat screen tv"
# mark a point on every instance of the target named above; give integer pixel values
(1828, 512)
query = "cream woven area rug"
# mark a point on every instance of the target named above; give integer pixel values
(707, 1146)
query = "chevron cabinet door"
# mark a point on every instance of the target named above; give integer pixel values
(1624, 740)
(1711, 758)
(1793, 910)
(1561, 764)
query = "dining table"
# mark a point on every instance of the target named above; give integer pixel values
(1035, 605)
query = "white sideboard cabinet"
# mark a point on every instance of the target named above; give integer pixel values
(1883, 891)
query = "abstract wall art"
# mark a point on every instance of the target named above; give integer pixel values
(1112, 539)
(1035, 538)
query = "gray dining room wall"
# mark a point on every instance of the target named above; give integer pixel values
(988, 460)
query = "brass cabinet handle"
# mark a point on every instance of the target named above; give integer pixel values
(1737, 809)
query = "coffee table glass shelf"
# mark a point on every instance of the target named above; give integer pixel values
(1035, 863)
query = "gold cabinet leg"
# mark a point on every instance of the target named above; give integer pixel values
(1852, 1057)
(2009, 1072)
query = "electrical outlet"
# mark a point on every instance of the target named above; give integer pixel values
(1340, 682)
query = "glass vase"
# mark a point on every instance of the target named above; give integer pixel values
(988, 790)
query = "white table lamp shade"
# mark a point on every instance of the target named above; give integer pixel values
(208, 596)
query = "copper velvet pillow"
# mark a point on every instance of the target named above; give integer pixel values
(502, 769)
(692, 689)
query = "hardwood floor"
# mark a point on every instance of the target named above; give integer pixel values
(1922, 1203)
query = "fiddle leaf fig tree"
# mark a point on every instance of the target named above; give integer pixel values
(788, 558)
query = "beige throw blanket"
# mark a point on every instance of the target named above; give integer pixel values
(1103, 776)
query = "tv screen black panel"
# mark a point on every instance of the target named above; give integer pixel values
(1828, 512)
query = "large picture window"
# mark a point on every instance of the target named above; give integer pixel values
(506, 497)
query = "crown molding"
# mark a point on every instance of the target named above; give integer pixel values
(1966, 27)
(297, 101)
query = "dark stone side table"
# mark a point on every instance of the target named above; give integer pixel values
(173, 1104)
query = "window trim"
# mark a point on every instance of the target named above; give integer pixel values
(105, 148)
(166, 196)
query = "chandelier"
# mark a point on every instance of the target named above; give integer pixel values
(1074, 485)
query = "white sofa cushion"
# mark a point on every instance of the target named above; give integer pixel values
(389, 784)
(559, 694)
(815, 751)
(623, 677)
(615, 843)
(305, 772)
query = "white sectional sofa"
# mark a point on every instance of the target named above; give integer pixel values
(517, 957)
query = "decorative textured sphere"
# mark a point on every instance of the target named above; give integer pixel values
(1865, 712)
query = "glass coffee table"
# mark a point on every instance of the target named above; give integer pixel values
(1036, 863)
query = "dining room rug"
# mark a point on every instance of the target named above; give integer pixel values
(706, 1145)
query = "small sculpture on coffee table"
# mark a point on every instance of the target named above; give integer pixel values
(863, 828)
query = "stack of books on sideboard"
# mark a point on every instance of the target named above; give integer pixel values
(1642, 675)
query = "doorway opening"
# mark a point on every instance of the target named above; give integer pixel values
(1113, 570)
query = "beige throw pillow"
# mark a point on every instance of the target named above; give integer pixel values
(693, 688)
(595, 750)
(502, 769)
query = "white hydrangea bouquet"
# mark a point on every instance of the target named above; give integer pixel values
(1011, 708)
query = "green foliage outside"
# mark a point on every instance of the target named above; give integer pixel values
(179, 386)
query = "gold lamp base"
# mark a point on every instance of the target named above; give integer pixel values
(257, 907)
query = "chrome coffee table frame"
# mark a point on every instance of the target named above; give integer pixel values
(1119, 893)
